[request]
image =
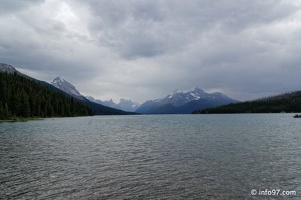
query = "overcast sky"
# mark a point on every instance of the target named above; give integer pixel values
(145, 49)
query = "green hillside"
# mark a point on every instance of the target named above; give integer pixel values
(289, 102)
(22, 97)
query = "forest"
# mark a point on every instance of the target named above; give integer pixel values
(22, 97)
(288, 102)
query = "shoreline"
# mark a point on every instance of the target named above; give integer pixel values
(19, 119)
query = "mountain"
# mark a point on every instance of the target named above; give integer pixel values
(62, 87)
(70, 89)
(184, 102)
(65, 86)
(99, 109)
(62, 84)
(22, 98)
(126, 105)
(288, 102)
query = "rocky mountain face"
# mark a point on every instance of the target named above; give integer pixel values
(65, 86)
(184, 102)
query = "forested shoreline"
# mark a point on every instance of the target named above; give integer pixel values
(288, 102)
(22, 98)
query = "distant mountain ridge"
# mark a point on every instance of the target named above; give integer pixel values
(126, 105)
(184, 102)
(70, 89)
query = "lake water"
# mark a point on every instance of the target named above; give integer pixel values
(151, 157)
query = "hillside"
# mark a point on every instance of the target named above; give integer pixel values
(288, 102)
(22, 97)
(96, 109)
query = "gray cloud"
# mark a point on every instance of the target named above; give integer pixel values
(145, 49)
(7, 6)
(150, 28)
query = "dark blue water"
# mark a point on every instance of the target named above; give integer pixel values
(151, 157)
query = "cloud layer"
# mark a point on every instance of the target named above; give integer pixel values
(142, 49)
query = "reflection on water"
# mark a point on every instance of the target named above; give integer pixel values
(150, 157)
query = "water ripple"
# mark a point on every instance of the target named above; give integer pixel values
(150, 157)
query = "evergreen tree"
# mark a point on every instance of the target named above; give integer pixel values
(2, 116)
(25, 106)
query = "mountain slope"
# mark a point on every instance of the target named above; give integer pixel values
(97, 109)
(23, 97)
(289, 102)
(184, 102)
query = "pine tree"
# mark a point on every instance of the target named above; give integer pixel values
(25, 106)
(7, 113)
(2, 116)
(15, 104)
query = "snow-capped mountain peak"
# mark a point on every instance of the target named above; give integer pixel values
(184, 101)
(64, 85)
(181, 97)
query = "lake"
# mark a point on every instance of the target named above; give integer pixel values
(152, 157)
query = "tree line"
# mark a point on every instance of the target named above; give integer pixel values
(288, 102)
(23, 97)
